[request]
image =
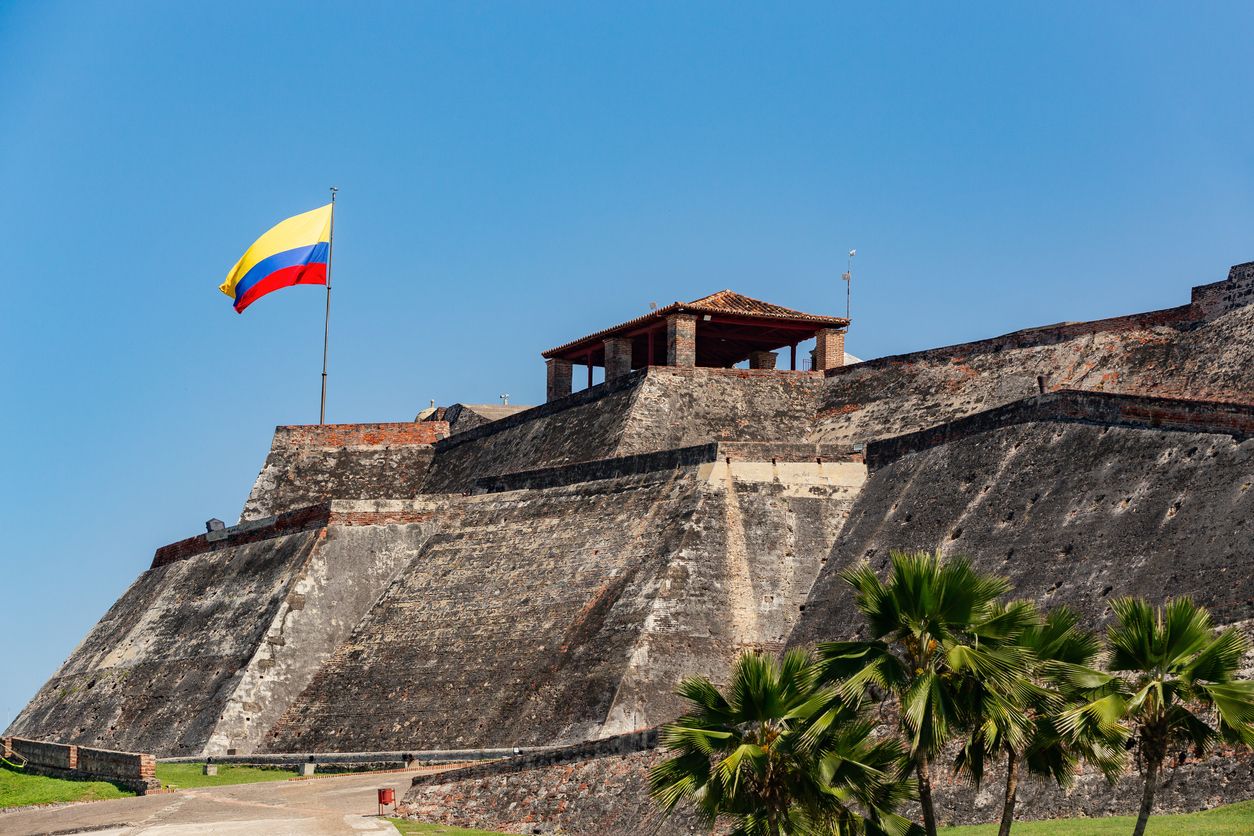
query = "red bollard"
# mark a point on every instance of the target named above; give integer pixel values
(386, 796)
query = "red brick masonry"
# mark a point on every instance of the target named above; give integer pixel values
(353, 435)
(133, 769)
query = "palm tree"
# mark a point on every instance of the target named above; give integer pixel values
(935, 631)
(1174, 685)
(779, 755)
(1021, 721)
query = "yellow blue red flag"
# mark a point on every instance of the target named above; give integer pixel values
(294, 251)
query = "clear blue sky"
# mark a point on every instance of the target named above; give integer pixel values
(517, 174)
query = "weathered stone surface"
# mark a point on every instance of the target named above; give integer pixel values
(599, 787)
(1187, 784)
(202, 654)
(313, 464)
(1071, 513)
(569, 612)
(548, 575)
(1175, 352)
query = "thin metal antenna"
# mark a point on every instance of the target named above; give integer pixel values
(848, 277)
(326, 324)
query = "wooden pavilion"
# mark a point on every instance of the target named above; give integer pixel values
(716, 331)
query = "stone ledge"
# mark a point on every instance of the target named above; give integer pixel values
(1078, 406)
(360, 435)
(619, 744)
(641, 463)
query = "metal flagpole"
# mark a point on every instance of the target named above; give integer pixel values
(326, 324)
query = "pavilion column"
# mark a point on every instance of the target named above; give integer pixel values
(829, 349)
(617, 357)
(681, 340)
(559, 378)
(762, 359)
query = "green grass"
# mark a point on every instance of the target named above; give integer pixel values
(1227, 820)
(191, 775)
(19, 788)
(406, 827)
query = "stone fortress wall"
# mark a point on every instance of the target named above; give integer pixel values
(549, 576)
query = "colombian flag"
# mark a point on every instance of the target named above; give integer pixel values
(294, 251)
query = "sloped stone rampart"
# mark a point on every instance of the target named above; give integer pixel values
(207, 648)
(154, 674)
(310, 464)
(1073, 513)
(568, 612)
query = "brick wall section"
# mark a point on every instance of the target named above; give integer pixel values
(681, 340)
(829, 349)
(370, 435)
(1234, 292)
(559, 376)
(39, 753)
(289, 522)
(79, 763)
(763, 359)
(116, 764)
(617, 357)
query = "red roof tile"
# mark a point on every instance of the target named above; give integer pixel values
(725, 302)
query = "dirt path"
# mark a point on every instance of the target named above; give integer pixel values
(331, 805)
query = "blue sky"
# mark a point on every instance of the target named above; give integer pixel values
(514, 175)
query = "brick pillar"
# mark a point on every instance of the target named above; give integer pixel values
(559, 378)
(681, 340)
(617, 357)
(762, 359)
(829, 349)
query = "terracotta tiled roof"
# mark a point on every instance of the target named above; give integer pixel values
(726, 302)
(731, 302)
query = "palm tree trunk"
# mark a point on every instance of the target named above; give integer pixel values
(1012, 789)
(925, 795)
(1147, 796)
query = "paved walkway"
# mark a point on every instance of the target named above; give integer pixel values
(316, 807)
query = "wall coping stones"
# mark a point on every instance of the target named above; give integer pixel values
(1207, 302)
(1078, 406)
(336, 758)
(132, 770)
(619, 744)
(620, 466)
(311, 517)
(360, 435)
